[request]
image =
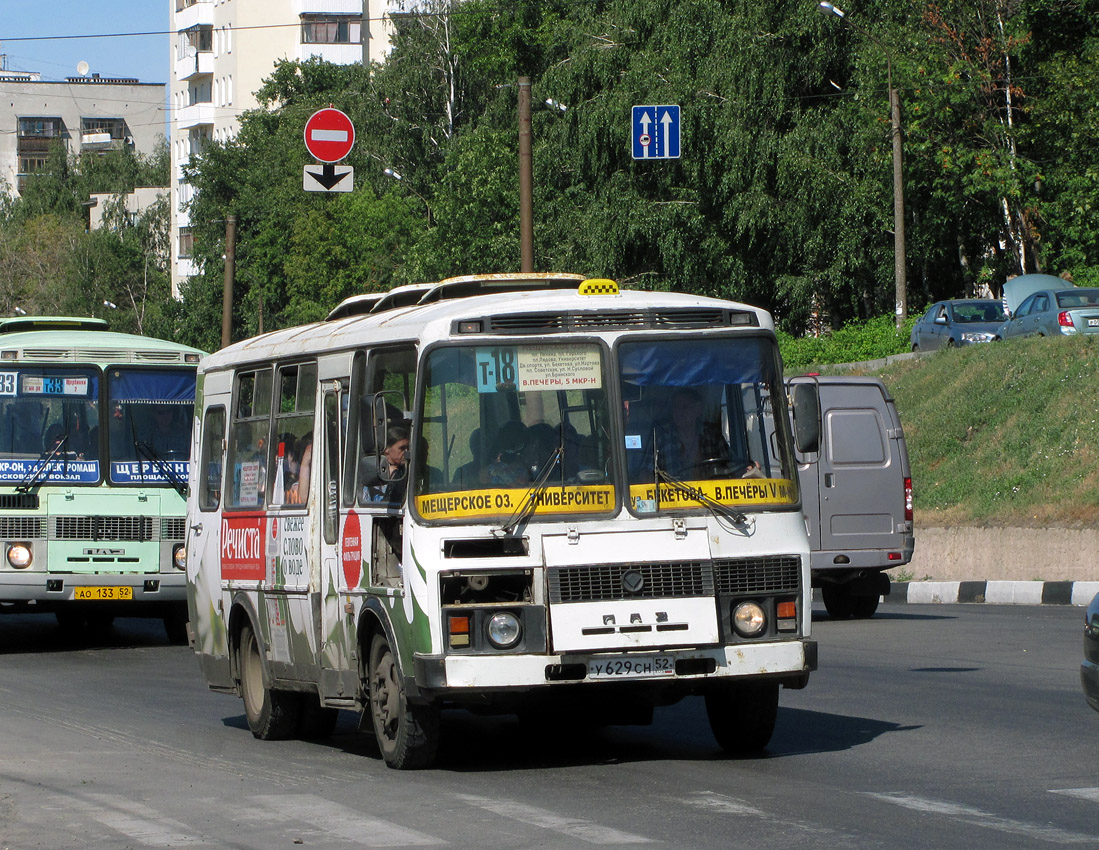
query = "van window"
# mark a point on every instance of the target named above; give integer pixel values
(855, 437)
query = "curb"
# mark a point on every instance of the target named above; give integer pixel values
(1077, 593)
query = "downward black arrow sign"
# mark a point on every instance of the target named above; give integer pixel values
(327, 177)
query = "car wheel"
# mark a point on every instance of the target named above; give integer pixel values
(950, 343)
(915, 347)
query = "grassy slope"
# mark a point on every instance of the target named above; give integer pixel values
(1003, 434)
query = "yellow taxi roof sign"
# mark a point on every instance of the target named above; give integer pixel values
(598, 286)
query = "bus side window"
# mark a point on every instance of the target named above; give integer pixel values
(209, 470)
(293, 444)
(248, 438)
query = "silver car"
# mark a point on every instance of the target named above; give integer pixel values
(957, 322)
(1055, 312)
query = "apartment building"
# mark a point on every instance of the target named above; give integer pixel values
(88, 113)
(223, 50)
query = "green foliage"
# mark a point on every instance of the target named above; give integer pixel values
(1006, 433)
(855, 342)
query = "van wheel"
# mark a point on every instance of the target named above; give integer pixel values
(865, 606)
(272, 715)
(407, 735)
(838, 601)
(742, 717)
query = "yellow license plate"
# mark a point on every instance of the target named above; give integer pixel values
(107, 593)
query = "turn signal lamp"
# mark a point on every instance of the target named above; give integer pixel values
(787, 615)
(459, 631)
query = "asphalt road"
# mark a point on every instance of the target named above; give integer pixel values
(928, 726)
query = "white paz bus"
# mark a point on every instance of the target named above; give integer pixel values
(516, 493)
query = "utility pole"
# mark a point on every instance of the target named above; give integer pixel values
(230, 272)
(526, 181)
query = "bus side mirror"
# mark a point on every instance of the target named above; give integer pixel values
(806, 405)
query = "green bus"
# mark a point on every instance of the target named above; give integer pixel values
(95, 447)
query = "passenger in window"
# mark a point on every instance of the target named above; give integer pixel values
(693, 447)
(297, 491)
(510, 468)
(387, 482)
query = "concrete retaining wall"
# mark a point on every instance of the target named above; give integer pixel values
(966, 553)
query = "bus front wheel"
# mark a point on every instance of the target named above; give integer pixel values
(742, 717)
(272, 715)
(407, 734)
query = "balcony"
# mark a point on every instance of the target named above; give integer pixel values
(327, 7)
(339, 54)
(100, 141)
(195, 115)
(201, 12)
(195, 65)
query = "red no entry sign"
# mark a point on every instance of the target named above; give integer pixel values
(329, 135)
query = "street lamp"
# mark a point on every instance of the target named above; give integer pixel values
(396, 175)
(900, 274)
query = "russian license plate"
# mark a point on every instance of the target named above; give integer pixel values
(634, 667)
(1093, 323)
(103, 592)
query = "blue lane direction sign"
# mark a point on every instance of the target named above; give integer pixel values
(656, 132)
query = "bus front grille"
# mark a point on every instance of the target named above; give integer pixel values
(138, 528)
(22, 527)
(773, 574)
(601, 582)
(173, 528)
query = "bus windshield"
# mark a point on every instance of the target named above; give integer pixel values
(513, 427)
(150, 425)
(699, 418)
(49, 425)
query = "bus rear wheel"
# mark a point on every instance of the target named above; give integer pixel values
(272, 715)
(407, 734)
(742, 717)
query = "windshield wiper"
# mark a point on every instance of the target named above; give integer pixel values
(146, 449)
(530, 500)
(32, 477)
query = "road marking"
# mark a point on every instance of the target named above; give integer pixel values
(584, 830)
(1091, 794)
(719, 804)
(137, 822)
(971, 815)
(344, 822)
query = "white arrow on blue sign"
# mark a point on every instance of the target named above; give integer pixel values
(656, 132)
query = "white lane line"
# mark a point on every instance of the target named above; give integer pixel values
(137, 822)
(1091, 794)
(344, 822)
(977, 817)
(716, 803)
(583, 830)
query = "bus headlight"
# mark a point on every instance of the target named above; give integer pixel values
(19, 555)
(749, 619)
(179, 556)
(503, 630)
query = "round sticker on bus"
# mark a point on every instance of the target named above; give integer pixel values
(351, 550)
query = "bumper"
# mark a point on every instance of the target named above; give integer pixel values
(453, 676)
(1089, 679)
(853, 560)
(49, 589)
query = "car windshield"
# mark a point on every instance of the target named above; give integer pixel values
(979, 311)
(504, 425)
(49, 425)
(1078, 298)
(705, 418)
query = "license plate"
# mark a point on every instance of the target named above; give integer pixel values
(634, 667)
(104, 593)
(1093, 323)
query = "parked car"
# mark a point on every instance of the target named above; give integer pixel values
(1089, 670)
(957, 322)
(1019, 288)
(1055, 312)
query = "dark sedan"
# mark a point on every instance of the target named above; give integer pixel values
(957, 322)
(1055, 312)
(1089, 670)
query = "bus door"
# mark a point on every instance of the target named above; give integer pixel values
(340, 555)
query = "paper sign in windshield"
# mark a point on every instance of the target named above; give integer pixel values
(538, 368)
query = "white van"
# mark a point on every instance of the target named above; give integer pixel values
(856, 490)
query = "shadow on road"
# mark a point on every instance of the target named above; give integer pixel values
(30, 633)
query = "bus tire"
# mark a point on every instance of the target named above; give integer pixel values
(838, 601)
(407, 734)
(272, 715)
(742, 717)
